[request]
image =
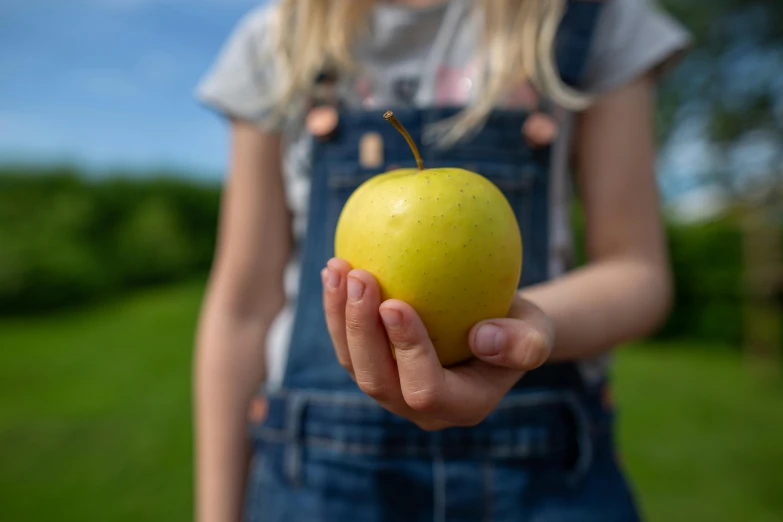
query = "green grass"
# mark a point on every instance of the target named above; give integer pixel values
(94, 412)
(701, 434)
(95, 420)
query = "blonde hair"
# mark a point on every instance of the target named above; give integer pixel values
(517, 45)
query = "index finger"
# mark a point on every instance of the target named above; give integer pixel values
(334, 298)
(367, 342)
(420, 372)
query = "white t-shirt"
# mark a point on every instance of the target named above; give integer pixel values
(423, 57)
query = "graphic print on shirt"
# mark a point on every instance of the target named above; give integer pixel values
(453, 86)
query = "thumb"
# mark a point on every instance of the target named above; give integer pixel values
(514, 343)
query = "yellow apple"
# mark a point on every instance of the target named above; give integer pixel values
(444, 240)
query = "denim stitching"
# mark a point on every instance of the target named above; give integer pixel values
(502, 451)
(357, 448)
(356, 400)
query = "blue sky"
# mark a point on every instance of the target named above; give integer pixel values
(107, 83)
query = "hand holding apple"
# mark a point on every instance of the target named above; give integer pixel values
(429, 261)
(415, 385)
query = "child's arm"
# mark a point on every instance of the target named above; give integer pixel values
(625, 291)
(245, 292)
(622, 294)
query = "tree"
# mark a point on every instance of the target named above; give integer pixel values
(729, 93)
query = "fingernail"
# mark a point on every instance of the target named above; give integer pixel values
(489, 340)
(332, 278)
(391, 318)
(355, 289)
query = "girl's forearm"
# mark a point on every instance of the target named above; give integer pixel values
(229, 368)
(244, 295)
(603, 304)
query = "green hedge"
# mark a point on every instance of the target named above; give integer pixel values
(708, 270)
(66, 240)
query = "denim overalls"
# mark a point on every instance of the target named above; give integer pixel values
(327, 452)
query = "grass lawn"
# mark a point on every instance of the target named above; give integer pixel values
(95, 414)
(701, 435)
(94, 421)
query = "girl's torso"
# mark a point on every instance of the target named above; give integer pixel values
(327, 452)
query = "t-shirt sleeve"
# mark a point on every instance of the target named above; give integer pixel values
(241, 81)
(633, 37)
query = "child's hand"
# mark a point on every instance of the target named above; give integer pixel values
(416, 386)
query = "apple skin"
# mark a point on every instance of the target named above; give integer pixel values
(444, 240)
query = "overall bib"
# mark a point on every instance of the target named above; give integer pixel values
(327, 452)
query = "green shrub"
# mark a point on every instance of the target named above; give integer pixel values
(151, 245)
(708, 269)
(65, 240)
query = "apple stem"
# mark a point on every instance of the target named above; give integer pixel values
(391, 118)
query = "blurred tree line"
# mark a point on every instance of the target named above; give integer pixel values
(729, 92)
(67, 240)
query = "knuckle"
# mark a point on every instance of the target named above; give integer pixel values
(374, 389)
(345, 362)
(425, 400)
(354, 324)
(403, 336)
(404, 339)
